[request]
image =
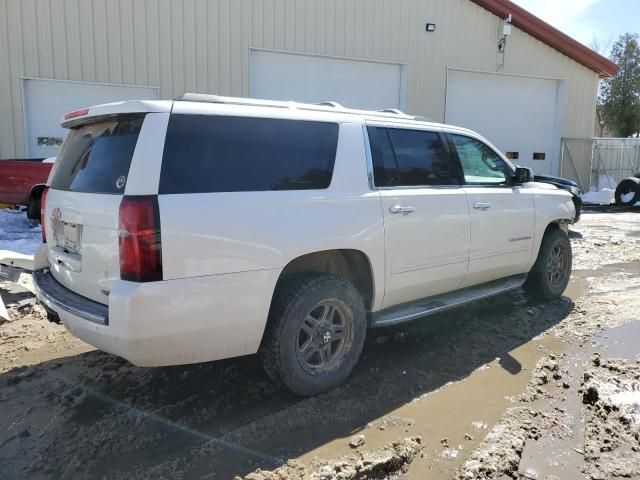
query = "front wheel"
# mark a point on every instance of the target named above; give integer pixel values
(315, 332)
(549, 277)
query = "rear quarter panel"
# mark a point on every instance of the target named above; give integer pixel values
(221, 233)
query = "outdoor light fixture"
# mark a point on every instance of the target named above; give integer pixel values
(506, 29)
(502, 42)
(431, 27)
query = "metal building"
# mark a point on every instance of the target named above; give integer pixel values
(485, 64)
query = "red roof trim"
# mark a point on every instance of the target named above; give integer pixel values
(544, 32)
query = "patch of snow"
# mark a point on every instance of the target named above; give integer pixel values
(629, 402)
(627, 197)
(479, 425)
(18, 233)
(450, 453)
(606, 196)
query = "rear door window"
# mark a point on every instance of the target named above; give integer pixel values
(206, 154)
(96, 157)
(385, 167)
(405, 157)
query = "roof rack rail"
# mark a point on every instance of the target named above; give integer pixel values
(207, 98)
(330, 104)
(392, 110)
(327, 106)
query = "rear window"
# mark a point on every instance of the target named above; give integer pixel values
(204, 154)
(96, 157)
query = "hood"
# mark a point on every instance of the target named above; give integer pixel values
(557, 181)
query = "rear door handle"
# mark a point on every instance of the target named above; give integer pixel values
(481, 206)
(400, 209)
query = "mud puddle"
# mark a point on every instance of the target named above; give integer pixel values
(621, 342)
(611, 278)
(446, 379)
(452, 420)
(603, 270)
(560, 452)
(578, 287)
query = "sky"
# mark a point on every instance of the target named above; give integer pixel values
(582, 19)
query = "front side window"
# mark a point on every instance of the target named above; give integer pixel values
(480, 164)
(207, 153)
(403, 157)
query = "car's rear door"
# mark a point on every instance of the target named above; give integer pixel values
(91, 176)
(425, 211)
(501, 213)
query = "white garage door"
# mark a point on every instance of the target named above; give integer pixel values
(306, 78)
(46, 101)
(520, 115)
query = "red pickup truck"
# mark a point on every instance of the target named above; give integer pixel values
(22, 183)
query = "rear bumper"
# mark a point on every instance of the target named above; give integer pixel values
(58, 298)
(171, 322)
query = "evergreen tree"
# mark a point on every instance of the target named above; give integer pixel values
(620, 95)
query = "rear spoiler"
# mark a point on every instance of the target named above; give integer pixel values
(107, 110)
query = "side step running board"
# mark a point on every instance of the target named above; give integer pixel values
(438, 303)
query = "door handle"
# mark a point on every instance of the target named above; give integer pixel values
(481, 206)
(404, 210)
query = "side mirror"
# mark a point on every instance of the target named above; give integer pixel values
(523, 175)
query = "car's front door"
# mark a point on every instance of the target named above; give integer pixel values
(502, 214)
(426, 215)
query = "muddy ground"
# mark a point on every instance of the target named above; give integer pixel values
(506, 388)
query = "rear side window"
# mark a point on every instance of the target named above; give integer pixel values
(96, 157)
(403, 157)
(205, 154)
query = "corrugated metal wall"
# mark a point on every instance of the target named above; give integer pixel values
(203, 46)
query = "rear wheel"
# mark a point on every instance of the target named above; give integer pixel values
(549, 277)
(315, 332)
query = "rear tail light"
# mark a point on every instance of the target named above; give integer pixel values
(43, 207)
(139, 239)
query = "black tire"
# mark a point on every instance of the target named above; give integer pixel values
(297, 301)
(548, 280)
(626, 186)
(33, 208)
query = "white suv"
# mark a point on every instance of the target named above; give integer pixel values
(208, 227)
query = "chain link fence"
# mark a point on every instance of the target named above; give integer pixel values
(597, 163)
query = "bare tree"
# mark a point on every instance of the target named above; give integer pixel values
(601, 45)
